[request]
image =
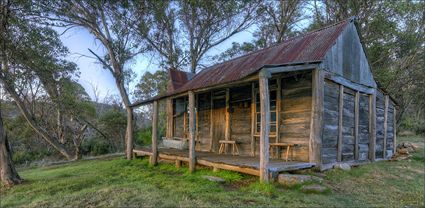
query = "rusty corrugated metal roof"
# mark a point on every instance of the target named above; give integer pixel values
(310, 47)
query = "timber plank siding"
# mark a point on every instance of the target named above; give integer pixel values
(330, 122)
(204, 120)
(295, 114)
(380, 127)
(363, 127)
(240, 124)
(348, 139)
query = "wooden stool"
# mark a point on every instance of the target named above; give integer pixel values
(289, 147)
(224, 143)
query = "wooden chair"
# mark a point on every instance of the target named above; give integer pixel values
(224, 143)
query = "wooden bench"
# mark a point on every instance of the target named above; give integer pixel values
(275, 146)
(224, 143)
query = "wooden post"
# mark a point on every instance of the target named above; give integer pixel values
(197, 141)
(356, 125)
(228, 117)
(211, 121)
(184, 120)
(278, 107)
(169, 132)
(253, 103)
(384, 153)
(154, 157)
(340, 117)
(178, 164)
(395, 131)
(264, 75)
(192, 159)
(316, 117)
(372, 125)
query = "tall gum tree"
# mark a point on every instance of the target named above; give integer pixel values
(8, 174)
(111, 23)
(34, 74)
(183, 32)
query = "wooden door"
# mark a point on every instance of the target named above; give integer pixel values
(218, 122)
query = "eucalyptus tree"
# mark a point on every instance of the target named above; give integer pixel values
(275, 22)
(36, 76)
(183, 32)
(110, 23)
(8, 174)
(30, 56)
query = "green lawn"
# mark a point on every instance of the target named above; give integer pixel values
(118, 182)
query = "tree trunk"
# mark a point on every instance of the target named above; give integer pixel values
(30, 118)
(129, 133)
(8, 174)
(78, 141)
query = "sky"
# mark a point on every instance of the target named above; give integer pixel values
(79, 40)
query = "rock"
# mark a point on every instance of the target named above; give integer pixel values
(314, 189)
(403, 151)
(399, 157)
(292, 179)
(406, 147)
(342, 166)
(214, 179)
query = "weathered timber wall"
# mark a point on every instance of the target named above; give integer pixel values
(363, 127)
(390, 130)
(330, 123)
(332, 130)
(240, 124)
(340, 142)
(380, 111)
(204, 121)
(347, 58)
(295, 114)
(178, 117)
(348, 140)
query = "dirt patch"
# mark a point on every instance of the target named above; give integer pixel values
(236, 185)
(415, 170)
(419, 144)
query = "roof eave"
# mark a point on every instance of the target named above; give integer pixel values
(290, 67)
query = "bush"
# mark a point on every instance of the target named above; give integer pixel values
(96, 146)
(144, 136)
(415, 125)
(420, 128)
(22, 157)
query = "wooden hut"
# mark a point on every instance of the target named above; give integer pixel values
(310, 101)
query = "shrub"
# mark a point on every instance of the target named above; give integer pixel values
(144, 136)
(415, 125)
(96, 146)
(22, 157)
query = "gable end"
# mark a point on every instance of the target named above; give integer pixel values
(348, 59)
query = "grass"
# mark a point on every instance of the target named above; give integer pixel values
(117, 182)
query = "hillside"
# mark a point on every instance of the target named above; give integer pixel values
(117, 182)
